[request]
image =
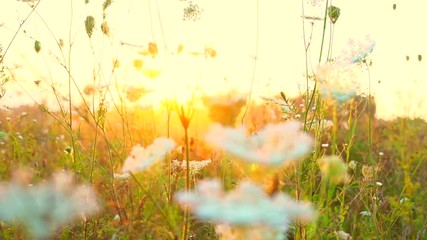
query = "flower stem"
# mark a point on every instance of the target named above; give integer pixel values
(334, 130)
(187, 183)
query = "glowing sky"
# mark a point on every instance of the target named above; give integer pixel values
(229, 27)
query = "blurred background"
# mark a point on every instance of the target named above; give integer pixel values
(211, 46)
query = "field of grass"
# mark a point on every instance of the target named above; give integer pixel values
(353, 195)
(225, 166)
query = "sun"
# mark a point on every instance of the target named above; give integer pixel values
(150, 75)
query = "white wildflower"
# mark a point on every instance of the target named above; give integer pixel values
(121, 175)
(357, 50)
(365, 213)
(342, 235)
(403, 200)
(44, 207)
(338, 81)
(195, 166)
(245, 206)
(227, 232)
(273, 145)
(140, 158)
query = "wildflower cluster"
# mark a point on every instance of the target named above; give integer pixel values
(44, 207)
(274, 145)
(357, 50)
(248, 211)
(338, 79)
(195, 166)
(141, 158)
(247, 206)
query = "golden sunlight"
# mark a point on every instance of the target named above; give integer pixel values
(147, 47)
(213, 119)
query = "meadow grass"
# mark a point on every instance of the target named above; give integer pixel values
(380, 201)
